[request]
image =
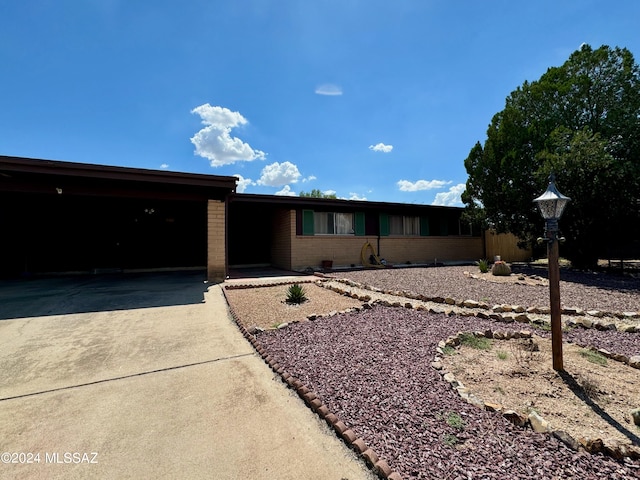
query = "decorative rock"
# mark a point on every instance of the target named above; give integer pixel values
(525, 334)
(470, 304)
(539, 424)
(635, 416)
(493, 407)
(497, 309)
(449, 301)
(498, 335)
(518, 309)
(595, 313)
(604, 326)
(585, 322)
(437, 365)
(515, 418)
(522, 318)
(631, 314)
(283, 325)
(482, 315)
(590, 445)
(634, 361)
(449, 377)
(508, 318)
(628, 328)
(567, 439)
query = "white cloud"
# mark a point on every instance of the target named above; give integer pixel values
(329, 192)
(407, 186)
(355, 196)
(278, 174)
(164, 166)
(309, 178)
(329, 89)
(215, 143)
(381, 147)
(450, 198)
(243, 183)
(286, 191)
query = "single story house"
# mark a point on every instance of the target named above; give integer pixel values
(60, 217)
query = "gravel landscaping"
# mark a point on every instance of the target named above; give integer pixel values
(372, 369)
(588, 291)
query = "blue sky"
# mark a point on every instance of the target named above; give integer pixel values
(370, 99)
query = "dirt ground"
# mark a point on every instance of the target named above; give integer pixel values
(591, 400)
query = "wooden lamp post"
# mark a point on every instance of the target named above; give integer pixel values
(551, 204)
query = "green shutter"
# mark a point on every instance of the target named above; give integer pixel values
(307, 222)
(384, 225)
(359, 223)
(424, 227)
(444, 227)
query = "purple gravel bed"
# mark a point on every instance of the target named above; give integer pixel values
(589, 291)
(372, 369)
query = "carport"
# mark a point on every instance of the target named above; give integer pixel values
(60, 217)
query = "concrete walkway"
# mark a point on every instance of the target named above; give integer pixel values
(170, 391)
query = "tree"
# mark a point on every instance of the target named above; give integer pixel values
(581, 121)
(315, 193)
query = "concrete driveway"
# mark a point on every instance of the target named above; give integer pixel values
(146, 376)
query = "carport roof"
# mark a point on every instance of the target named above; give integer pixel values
(314, 203)
(45, 176)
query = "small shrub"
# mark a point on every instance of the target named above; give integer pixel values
(483, 265)
(525, 352)
(502, 355)
(455, 420)
(594, 357)
(449, 439)
(590, 386)
(449, 350)
(479, 343)
(296, 294)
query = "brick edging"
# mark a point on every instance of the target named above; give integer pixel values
(369, 456)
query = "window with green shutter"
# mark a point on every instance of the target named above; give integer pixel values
(359, 223)
(307, 222)
(384, 225)
(424, 227)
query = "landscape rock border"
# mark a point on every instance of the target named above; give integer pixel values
(370, 457)
(533, 420)
(502, 313)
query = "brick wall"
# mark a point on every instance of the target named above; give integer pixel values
(309, 251)
(216, 241)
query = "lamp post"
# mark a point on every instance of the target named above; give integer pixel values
(551, 204)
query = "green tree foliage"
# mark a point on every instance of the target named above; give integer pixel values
(318, 194)
(581, 121)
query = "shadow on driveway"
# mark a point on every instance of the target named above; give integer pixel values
(37, 297)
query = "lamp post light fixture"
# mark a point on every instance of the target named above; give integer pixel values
(551, 204)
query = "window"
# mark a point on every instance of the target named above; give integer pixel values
(331, 223)
(401, 225)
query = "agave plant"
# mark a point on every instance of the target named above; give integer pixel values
(483, 265)
(296, 294)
